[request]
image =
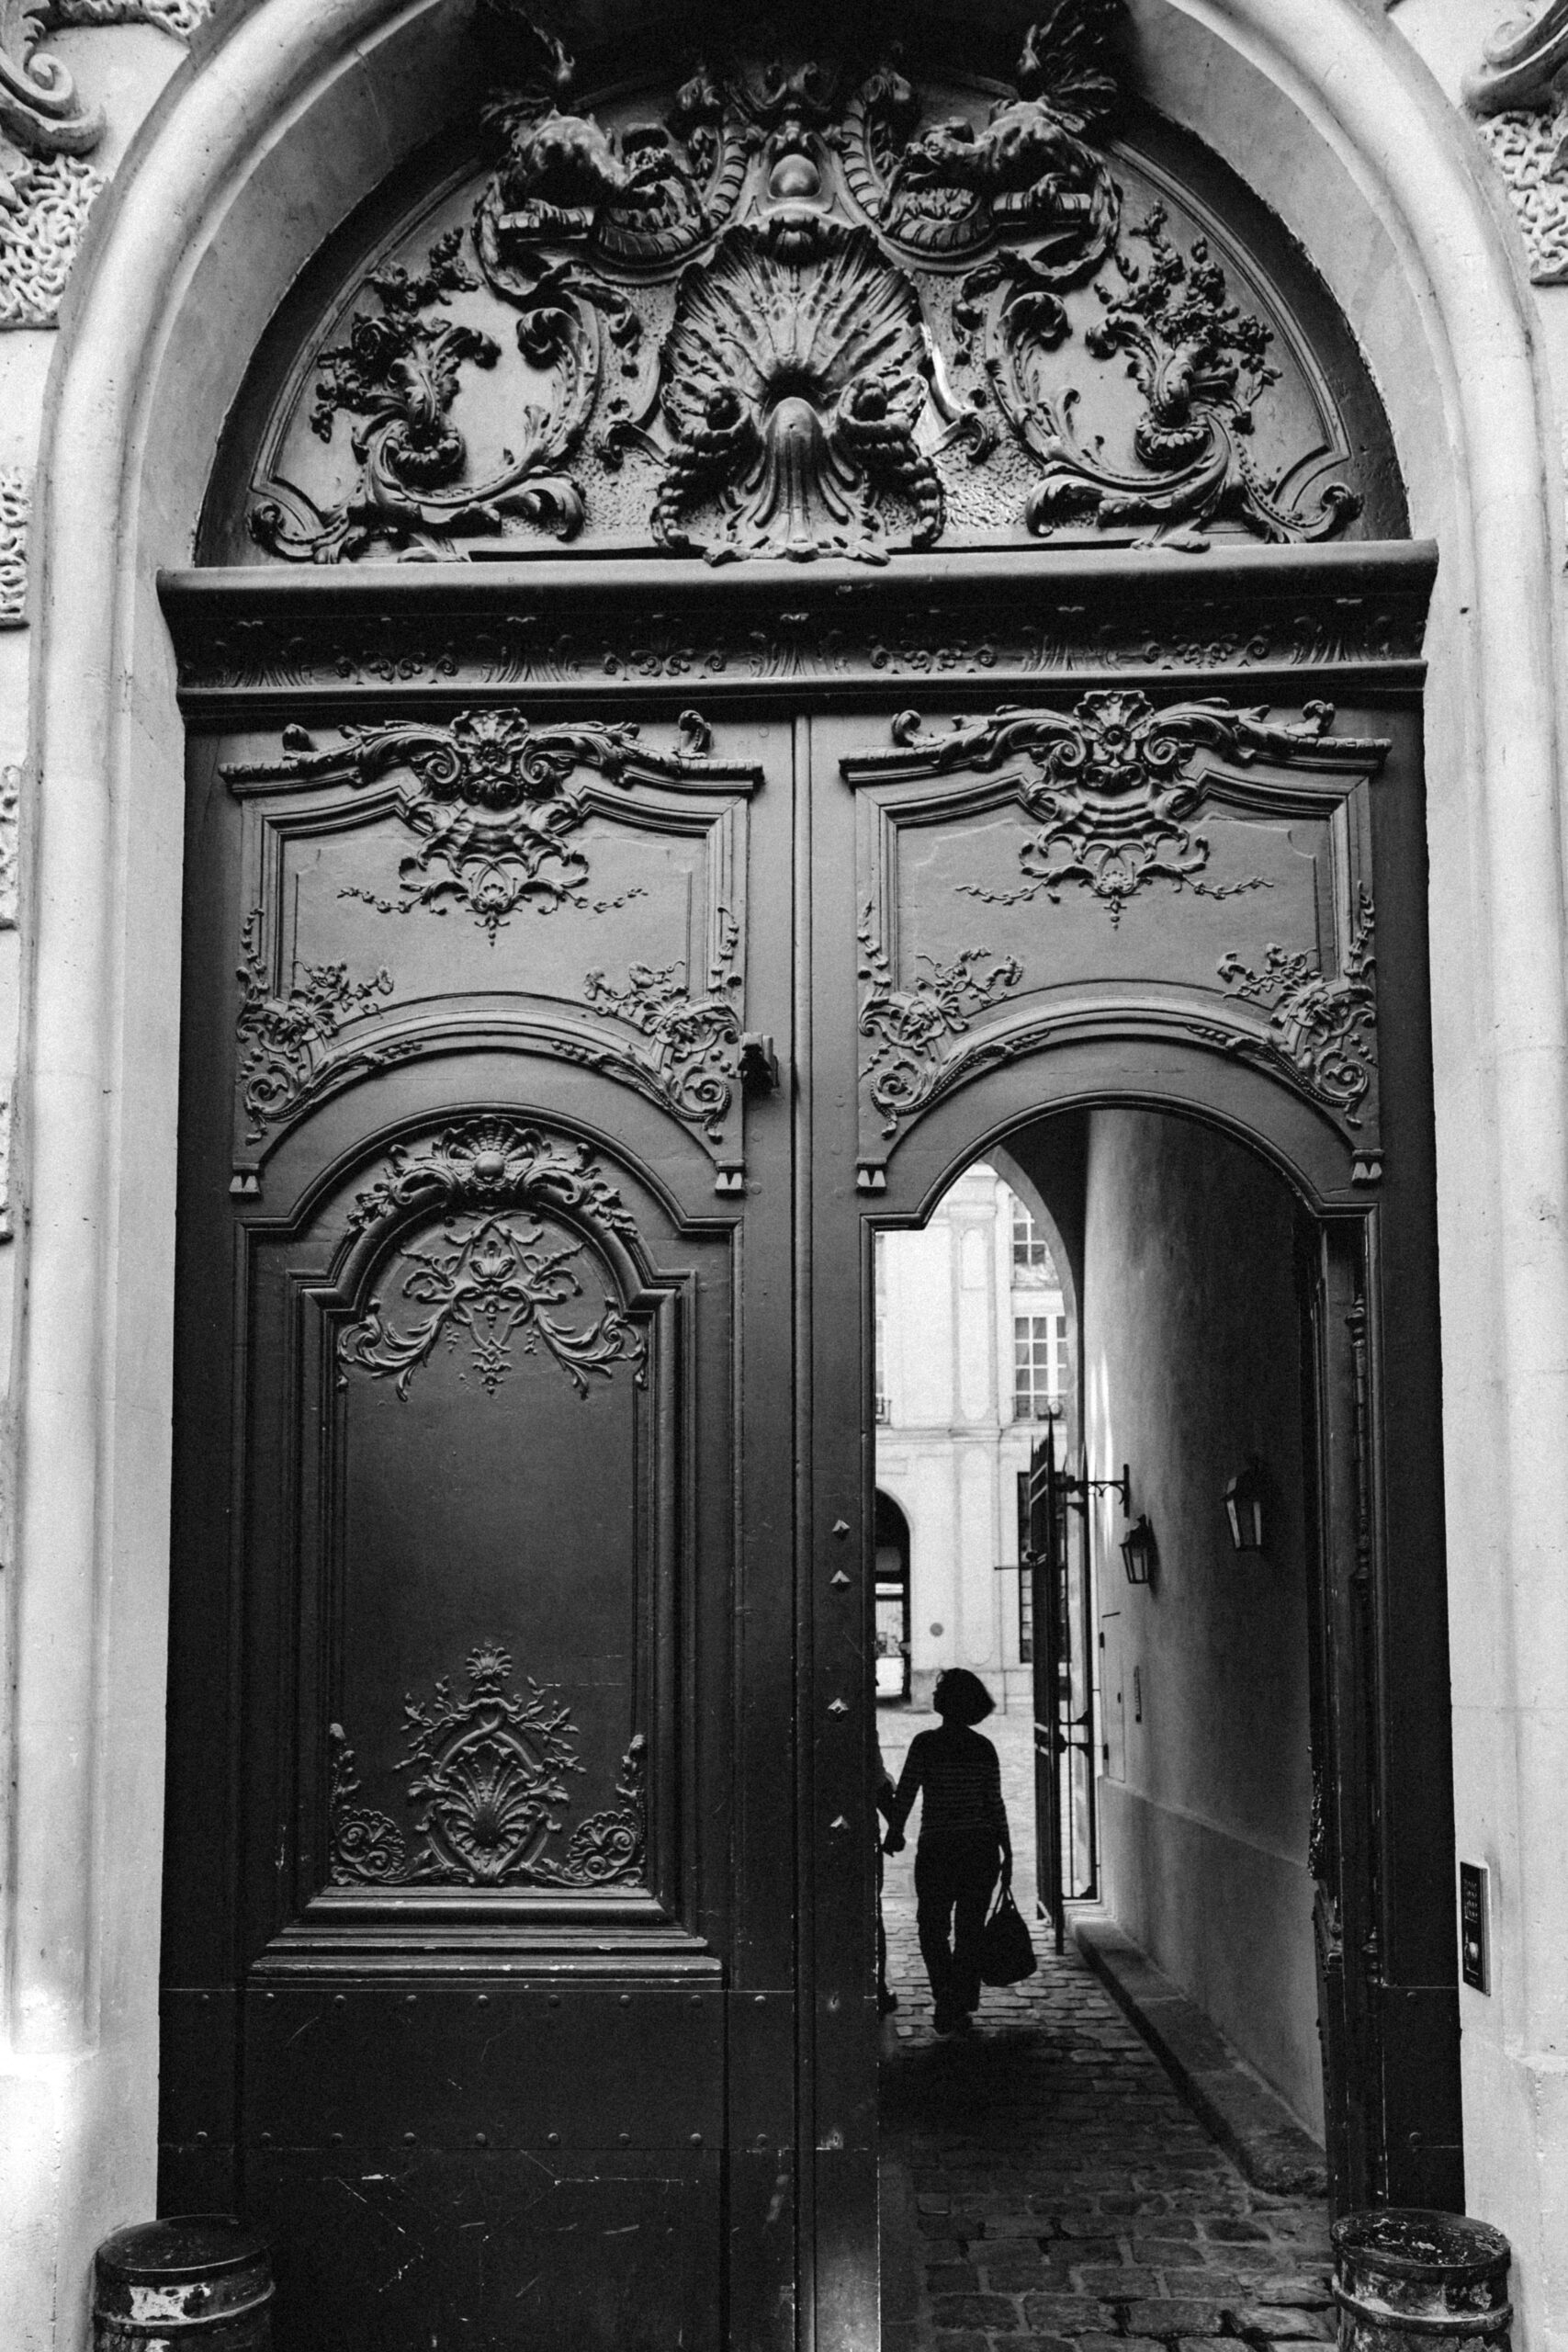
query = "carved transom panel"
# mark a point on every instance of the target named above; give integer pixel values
(799, 298)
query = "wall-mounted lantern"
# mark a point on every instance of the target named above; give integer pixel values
(1140, 1552)
(1243, 1507)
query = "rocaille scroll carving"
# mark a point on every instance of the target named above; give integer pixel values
(1322, 1026)
(910, 1028)
(489, 1781)
(498, 1281)
(495, 801)
(286, 1035)
(694, 1043)
(1114, 783)
(500, 1265)
(802, 298)
(493, 1163)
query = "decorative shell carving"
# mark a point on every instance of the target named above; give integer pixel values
(794, 377)
(489, 1771)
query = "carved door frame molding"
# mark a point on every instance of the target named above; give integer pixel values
(192, 228)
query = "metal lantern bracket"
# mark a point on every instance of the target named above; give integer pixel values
(1077, 1491)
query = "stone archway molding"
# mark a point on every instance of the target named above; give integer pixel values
(287, 112)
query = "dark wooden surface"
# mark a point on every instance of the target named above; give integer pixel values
(680, 2066)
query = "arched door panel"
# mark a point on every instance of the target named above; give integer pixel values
(463, 1521)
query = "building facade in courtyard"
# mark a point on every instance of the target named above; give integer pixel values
(630, 638)
(976, 1352)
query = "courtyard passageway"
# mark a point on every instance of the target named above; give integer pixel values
(1045, 2188)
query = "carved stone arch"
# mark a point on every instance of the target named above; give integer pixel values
(188, 257)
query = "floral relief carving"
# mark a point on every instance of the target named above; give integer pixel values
(1201, 366)
(492, 1279)
(16, 509)
(398, 374)
(1115, 782)
(489, 1779)
(287, 1037)
(694, 1043)
(494, 801)
(911, 1026)
(1323, 1028)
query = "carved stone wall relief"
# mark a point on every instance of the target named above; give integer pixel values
(40, 229)
(1516, 94)
(46, 131)
(489, 1784)
(803, 302)
(16, 508)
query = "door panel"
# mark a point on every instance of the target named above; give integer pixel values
(459, 1710)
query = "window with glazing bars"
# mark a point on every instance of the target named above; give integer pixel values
(1032, 1264)
(1039, 1366)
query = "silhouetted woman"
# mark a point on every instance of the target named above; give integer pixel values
(964, 1844)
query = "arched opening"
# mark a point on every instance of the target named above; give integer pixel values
(1186, 2005)
(892, 1540)
(141, 305)
(503, 887)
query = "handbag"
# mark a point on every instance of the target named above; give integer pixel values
(1006, 1953)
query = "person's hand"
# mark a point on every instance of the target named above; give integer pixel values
(893, 1843)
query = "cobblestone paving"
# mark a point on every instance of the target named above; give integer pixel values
(1057, 2192)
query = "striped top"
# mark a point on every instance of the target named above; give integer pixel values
(956, 1774)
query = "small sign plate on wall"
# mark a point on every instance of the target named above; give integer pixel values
(1475, 1926)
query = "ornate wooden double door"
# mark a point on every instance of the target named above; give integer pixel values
(583, 954)
(551, 1055)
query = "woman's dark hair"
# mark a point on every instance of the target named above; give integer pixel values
(962, 1697)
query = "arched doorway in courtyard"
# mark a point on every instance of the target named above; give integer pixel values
(1184, 1704)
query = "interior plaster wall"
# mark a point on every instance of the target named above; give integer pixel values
(1192, 1363)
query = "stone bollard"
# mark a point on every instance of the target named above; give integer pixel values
(1410, 2281)
(200, 2283)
